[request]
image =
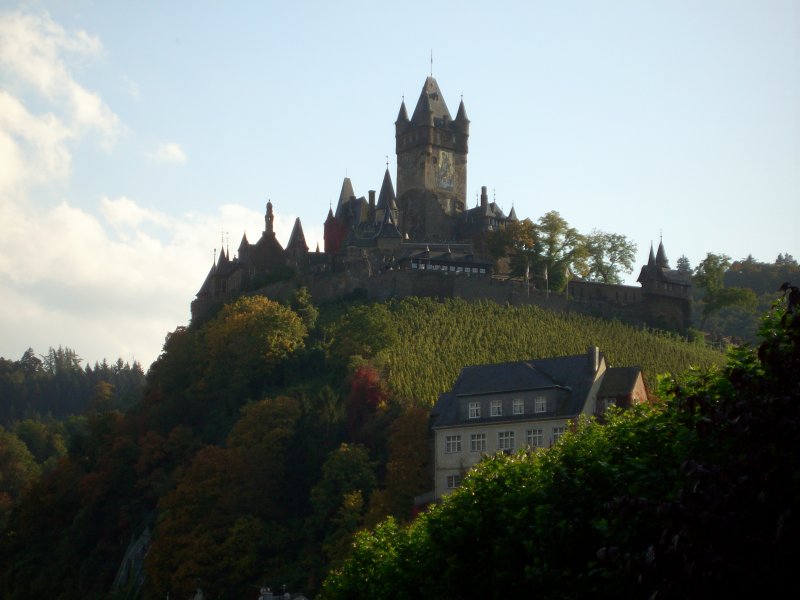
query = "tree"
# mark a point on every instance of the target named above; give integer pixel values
(690, 497)
(683, 266)
(609, 254)
(247, 341)
(709, 276)
(562, 248)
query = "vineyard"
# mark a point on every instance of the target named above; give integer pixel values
(422, 344)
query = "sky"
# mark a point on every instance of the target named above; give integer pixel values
(138, 138)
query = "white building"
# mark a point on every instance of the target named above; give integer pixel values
(527, 404)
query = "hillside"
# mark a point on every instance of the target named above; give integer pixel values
(266, 437)
(422, 344)
(690, 497)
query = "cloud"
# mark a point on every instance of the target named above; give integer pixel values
(110, 280)
(169, 152)
(35, 146)
(111, 284)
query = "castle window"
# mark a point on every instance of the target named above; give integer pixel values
(477, 442)
(534, 438)
(557, 433)
(452, 444)
(496, 408)
(474, 410)
(505, 440)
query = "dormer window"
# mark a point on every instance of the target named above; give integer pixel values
(540, 404)
(496, 408)
(474, 410)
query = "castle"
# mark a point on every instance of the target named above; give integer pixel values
(423, 240)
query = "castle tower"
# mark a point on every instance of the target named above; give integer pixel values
(431, 165)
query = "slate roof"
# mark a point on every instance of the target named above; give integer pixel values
(618, 381)
(570, 375)
(344, 198)
(297, 240)
(430, 101)
(386, 197)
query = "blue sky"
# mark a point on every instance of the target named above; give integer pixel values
(133, 135)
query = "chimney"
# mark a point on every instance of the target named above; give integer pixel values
(372, 214)
(594, 359)
(484, 197)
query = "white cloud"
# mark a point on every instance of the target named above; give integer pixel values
(109, 285)
(169, 152)
(32, 62)
(111, 280)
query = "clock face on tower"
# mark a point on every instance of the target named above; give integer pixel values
(445, 177)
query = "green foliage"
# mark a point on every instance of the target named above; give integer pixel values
(609, 254)
(56, 386)
(689, 498)
(709, 277)
(436, 339)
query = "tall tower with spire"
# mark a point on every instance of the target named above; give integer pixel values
(431, 151)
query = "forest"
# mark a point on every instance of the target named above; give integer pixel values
(265, 437)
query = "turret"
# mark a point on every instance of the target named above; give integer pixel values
(297, 240)
(401, 124)
(661, 257)
(269, 220)
(462, 122)
(651, 260)
(386, 198)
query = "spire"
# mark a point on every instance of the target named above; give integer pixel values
(297, 240)
(431, 102)
(402, 116)
(651, 261)
(344, 198)
(386, 197)
(269, 220)
(512, 216)
(461, 115)
(661, 257)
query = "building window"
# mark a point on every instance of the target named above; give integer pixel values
(474, 410)
(557, 433)
(540, 404)
(518, 406)
(452, 444)
(453, 481)
(505, 440)
(534, 438)
(496, 408)
(477, 442)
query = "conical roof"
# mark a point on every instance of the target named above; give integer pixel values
(297, 240)
(344, 198)
(244, 243)
(651, 261)
(512, 216)
(461, 115)
(661, 257)
(402, 115)
(386, 197)
(388, 227)
(430, 101)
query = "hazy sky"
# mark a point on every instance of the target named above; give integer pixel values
(133, 134)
